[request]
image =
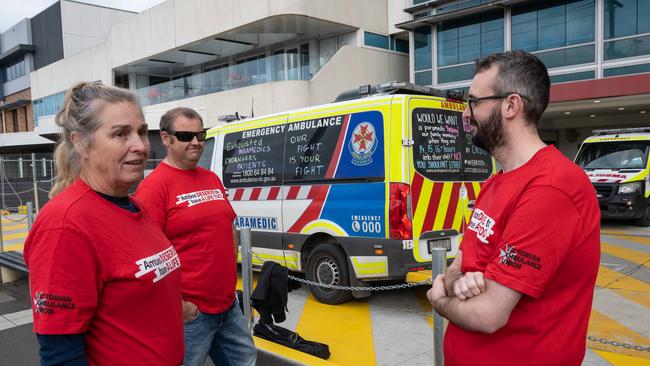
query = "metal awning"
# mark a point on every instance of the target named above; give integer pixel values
(15, 52)
(435, 18)
(18, 141)
(18, 103)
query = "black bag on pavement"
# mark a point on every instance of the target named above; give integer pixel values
(285, 337)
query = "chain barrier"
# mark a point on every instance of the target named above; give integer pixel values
(17, 193)
(630, 346)
(361, 288)
(14, 220)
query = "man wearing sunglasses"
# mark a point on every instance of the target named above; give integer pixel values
(189, 204)
(520, 290)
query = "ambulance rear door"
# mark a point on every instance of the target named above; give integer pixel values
(445, 170)
(251, 170)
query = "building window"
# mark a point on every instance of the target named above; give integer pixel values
(462, 41)
(423, 55)
(463, 4)
(626, 70)
(576, 76)
(15, 70)
(626, 18)
(375, 40)
(48, 106)
(14, 119)
(556, 26)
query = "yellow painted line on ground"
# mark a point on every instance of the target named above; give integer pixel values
(13, 247)
(425, 305)
(602, 326)
(612, 232)
(635, 238)
(345, 328)
(13, 227)
(624, 285)
(290, 353)
(622, 360)
(14, 236)
(630, 255)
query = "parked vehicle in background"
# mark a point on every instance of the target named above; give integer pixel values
(616, 161)
(354, 191)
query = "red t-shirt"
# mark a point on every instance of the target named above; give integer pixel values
(98, 269)
(192, 209)
(535, 230)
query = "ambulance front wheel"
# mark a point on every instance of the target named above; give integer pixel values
(328, 265)
(645, 219)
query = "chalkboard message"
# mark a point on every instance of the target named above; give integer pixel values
(309, 148)
(437, 149)
(254, 157)
(443, 150)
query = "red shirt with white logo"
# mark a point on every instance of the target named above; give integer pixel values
(535, 230)
(192, 209)
(98, 269)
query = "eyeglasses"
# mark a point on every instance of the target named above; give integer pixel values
(187, 136)
(472, 100)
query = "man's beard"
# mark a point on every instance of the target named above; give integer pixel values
(489, 135)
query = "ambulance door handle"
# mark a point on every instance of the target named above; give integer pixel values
(470, 204)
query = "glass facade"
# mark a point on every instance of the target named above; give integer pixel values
(461, 41)
(385, 42)
(562, 33)
(48, 106)
(14, 70)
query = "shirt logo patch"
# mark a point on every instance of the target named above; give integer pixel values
(161, 264)
(482, 225)
(516, 258)
(195, 198)
(45, 303)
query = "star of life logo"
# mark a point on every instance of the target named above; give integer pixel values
(162, 264)
(482, 225)
(198, 197)
(363, 144)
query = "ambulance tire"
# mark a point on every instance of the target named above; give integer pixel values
(328, 264)
(644, 220)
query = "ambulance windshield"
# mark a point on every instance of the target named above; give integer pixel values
(614, 155)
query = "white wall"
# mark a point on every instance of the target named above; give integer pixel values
(92, 64)
(351, 67)
(86, 25)
(396, 14)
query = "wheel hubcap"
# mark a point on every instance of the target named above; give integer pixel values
(327, 272)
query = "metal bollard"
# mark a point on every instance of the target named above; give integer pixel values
(30, 216)
(438, 266)
(246, 274)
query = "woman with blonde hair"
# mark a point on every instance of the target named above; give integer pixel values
(103, 277)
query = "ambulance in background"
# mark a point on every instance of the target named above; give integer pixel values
(356, 191)
(617, 164)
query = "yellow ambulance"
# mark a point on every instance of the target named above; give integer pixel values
(616, 161)
(356, 191)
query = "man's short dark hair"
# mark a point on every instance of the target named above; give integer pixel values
(523, 73)
(167, 120)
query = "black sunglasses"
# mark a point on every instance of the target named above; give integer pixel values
(187, 136)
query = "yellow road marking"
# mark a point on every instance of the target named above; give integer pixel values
(635, 238)
(612, 232)
(602, 326)
(629, 255)
(14, 236)
(623, 285)
(14, 247)
(346, 328)
(622, 360)
(13, 227)
(292, 354)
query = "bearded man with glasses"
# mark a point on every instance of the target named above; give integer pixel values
(189, 204)
(520, 290)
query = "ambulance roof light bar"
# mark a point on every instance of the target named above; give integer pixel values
(621, 130)
(395, 87)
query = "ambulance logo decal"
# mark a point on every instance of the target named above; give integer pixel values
(363, 144)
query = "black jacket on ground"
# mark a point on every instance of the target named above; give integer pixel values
(270, 295)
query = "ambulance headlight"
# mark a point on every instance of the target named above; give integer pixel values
(631, 187)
